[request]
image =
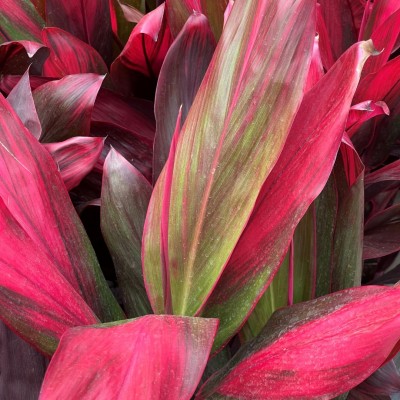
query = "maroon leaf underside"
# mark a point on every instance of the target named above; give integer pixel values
(70, 55)
(306, 162)
(75, 157)
(22, 367)
(22, 102)
(382, 232)
(153, 357)
(314, 350)
(88, 20)
(17, 56)
(390, 172)
(65, 106)
(35, 195)
(178, 83)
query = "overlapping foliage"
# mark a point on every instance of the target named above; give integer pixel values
(200, 198)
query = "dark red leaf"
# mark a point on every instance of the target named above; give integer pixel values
(178, 82)
(147, 45)
(70, 55)
(65, 106)
(88, 20)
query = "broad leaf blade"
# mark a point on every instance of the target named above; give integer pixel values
(22, 102)
(75, 157)
(125, 195)
(70, 55)
(178, 82)
(214, 183)
(214, 10)
(36, 196)
(88, 20)
(153, 357)
(314, 350)
(65, 106)
(19, 20)
(36, 301)
(263, 244)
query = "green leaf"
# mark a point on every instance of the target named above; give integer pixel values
(228, 145)
(125, 195)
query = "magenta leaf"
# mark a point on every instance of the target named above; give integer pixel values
(390, 172)
(36, 300)
(22, 102)
(70, 55)
(125, 196)
(65, 106)
(20, 20)
(147, 45)
(154, 357)
(178, 82)
(75, 157)
(314, 350)
(35, 196)
(88, 20)
(305, 164)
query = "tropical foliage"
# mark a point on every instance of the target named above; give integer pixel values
(199, 199)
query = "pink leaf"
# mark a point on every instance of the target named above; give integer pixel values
(75, 157)
(35, 195)
(153, 357)
(36, 300)
(314, 350)
(70, 55)
(304, 165)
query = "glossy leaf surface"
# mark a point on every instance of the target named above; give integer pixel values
(75, 157)
(65, 106)
(125, 196)
(214, 183)
(70, 55)
(178, 82)
(266, 238)
(153, 357)
(314, 350)
(35, 195)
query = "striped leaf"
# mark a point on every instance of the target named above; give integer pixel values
(228, 145)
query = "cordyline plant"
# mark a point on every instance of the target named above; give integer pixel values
(192, 194)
